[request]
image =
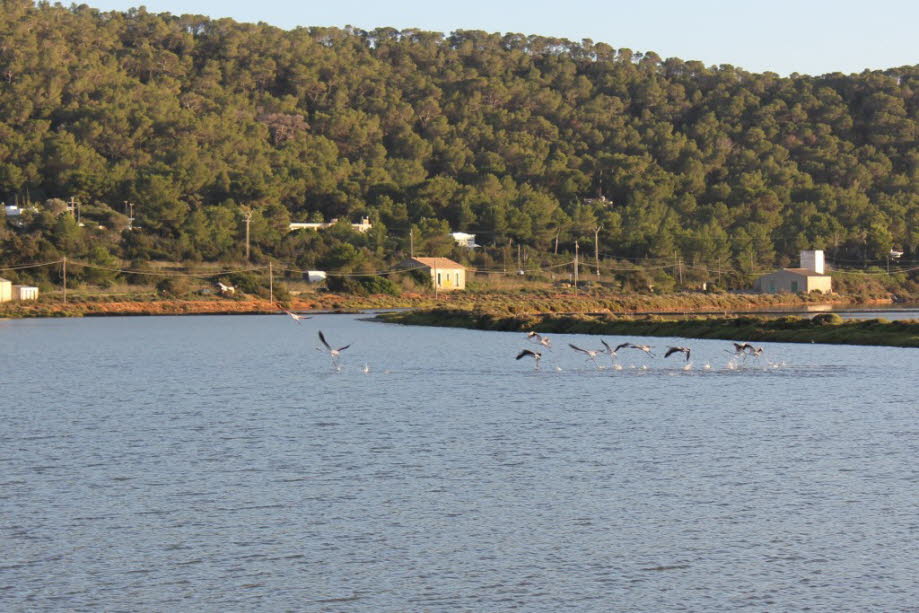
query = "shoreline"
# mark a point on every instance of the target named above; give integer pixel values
(524, 303)
(827, 329)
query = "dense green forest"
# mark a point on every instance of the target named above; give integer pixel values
(522, 140)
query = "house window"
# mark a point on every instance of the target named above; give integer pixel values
(438, 279)
(457, 279)
(794, 286)
(771, 286)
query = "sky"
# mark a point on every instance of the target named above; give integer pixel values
(783, 36)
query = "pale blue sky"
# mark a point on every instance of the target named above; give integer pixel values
(783, 36)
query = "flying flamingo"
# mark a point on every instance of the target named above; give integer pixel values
(590, 353)
(645, 348)
(295, 316)
(333, 353)
(539, 338)
(537, 356)
(673, 350)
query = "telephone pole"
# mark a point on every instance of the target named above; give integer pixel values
(247, 216)
(129, 210)
(411, 242)
(597, 249)
(74, 207)
(575, 268)
(270, 283)
(65, 278)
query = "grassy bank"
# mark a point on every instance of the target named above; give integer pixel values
(504, 302)
(826, 328)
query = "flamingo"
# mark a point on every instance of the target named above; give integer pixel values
(591, 353)
(295, 316)
(537, 356)
(611, 351)
(333, 353)
(645, 348)
(740, 348)
(673, 350)
(539, 338)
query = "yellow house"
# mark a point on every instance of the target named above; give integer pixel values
(445, 273)
(6, 290)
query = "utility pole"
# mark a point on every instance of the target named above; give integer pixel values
(270, 283)
(411, 242)
(129, 210)
(597, 249)
(556, 241)
(575, 268)
(247, 216)
(65, 278)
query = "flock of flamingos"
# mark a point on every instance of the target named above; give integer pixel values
(741, 350)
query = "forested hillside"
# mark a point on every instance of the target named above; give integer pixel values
(521, 140)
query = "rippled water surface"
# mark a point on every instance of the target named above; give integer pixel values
(222, 464)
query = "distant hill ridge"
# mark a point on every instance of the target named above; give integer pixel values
(516, 138)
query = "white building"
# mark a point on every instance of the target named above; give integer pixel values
(6, 290)
(464, 240)
(808, 278)
(25, 292)
(362, 227)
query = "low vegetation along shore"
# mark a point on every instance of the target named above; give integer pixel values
(823, 328)
(507, 302)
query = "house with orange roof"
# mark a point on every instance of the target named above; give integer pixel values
(445, 273)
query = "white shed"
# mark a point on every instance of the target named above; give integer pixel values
(25, 292)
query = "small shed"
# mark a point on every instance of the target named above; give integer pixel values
(445, 273)
(6, 290)
(25, 292)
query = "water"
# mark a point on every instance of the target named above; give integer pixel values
(222, 464)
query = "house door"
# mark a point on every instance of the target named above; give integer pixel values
(794, 286)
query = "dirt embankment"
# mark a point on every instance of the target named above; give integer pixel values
(506, 302)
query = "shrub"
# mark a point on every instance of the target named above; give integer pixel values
(173, 287)
(828, 319)
(362, 286)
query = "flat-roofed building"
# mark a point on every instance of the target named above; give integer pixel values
(807, 278)
(464, 239)
(25, 292)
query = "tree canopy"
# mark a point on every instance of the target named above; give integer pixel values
(511, 137)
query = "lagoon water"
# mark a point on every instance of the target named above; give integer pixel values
(220, 464)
